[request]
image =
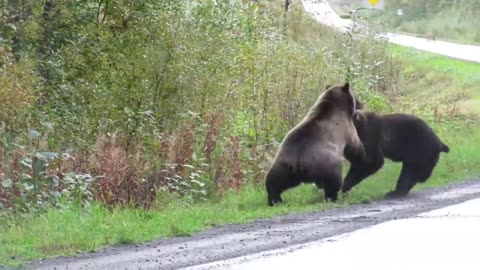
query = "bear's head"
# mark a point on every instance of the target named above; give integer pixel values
(358, 103)
(336, 100)
(369, 128)
(340, 98)
(360, 120)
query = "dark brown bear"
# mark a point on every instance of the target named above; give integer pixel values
(399, 137)
(312, 151)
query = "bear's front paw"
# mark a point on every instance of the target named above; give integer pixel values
(331, 197)
(394, 195)
(346, 188)
(273, 202)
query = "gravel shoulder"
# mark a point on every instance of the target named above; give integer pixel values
(266, 234)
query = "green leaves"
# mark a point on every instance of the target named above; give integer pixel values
(145, 70)
(33, 134)
(7, 183)
(46, 156)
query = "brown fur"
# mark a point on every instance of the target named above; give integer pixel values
(312, 150)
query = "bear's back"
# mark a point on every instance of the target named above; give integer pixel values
(407, 135)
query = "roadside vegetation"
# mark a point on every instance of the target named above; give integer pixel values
(448, 20)
(122, 122)
(454, 84)
(445, 20)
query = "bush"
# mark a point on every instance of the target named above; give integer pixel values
(37, 181)
(186, 97)
(16, 90)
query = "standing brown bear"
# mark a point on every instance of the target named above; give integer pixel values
(399, 137)
(312, 150)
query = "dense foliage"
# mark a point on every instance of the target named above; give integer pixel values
(116, 100)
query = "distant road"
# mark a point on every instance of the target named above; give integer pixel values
(324, 14)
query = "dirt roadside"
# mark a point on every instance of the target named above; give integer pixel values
(266, 234)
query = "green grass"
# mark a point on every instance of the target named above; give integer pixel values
(67, 231)
(450, 24)
(432, 79)
(468, 72)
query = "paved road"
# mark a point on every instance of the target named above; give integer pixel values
(446, 238)
(263, 235)
(324, 14)
(450, 49)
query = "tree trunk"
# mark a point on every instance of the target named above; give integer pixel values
(18, 14)
(47, 41)
(285, 19)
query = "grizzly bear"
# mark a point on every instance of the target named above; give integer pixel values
(399, 137)
(358, 103)
(312, 150)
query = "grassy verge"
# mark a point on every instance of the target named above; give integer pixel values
(458, 70)
(454, 22)
(453, 85)
(450, 25)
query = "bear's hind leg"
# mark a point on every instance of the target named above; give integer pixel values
(411, 174)
(279, 179)
(331, 183)
(427, 169)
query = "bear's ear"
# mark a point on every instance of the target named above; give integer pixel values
(358, 104)
(328, 86)
(357, 116)
(346, 87)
